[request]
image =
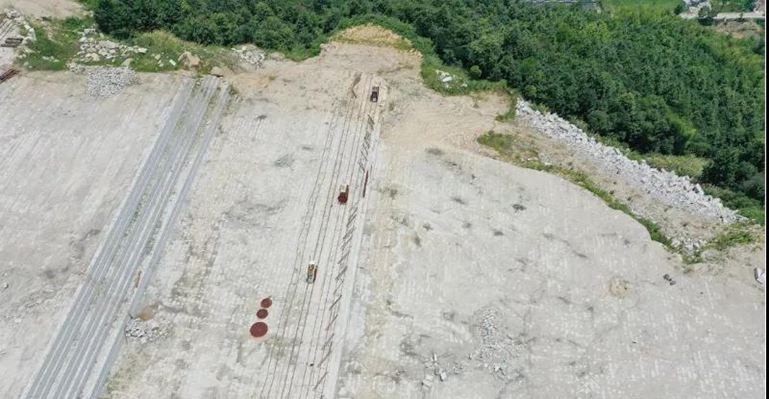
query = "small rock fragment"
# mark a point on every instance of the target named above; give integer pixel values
(760, 275)
(216, 71)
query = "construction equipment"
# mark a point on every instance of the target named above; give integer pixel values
(344, 192)
(374, 94)
(8, 74)
(312, 272)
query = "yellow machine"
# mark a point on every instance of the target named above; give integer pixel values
(312, 272)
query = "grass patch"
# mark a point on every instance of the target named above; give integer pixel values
(541, 108)
(736, 234)
(165, 47)
(502, 143)
(507, 146)
(511, 111)
(748, 207)
(56, 44)
(733, 5)
(373, 35)
(89, 4)
(682, 165)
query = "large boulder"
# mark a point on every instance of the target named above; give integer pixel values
(216, 71)
(189, 60)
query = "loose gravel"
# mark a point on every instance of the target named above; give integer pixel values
(105, 81)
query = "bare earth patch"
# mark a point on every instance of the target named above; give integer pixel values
(372, 35)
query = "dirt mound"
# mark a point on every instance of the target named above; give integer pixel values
(373, 35)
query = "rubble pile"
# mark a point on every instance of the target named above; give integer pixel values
(250, 55)
(102, 81)
(497, 351)
(664, 186)
(94, 48)
(434, 369)
(145, 331)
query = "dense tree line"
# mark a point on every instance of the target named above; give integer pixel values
(653, 81)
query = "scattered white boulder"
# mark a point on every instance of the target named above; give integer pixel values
(95, 48)
(250, 55)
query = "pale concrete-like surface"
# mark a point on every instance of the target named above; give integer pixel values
(66, 163)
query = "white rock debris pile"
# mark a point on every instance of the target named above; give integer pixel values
(444, 77)
(498, 352)
(145, 331)
(664, 186)
(105, 81)
(94, 48)
(250, 55)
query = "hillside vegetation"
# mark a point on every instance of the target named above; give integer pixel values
(646, 78)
